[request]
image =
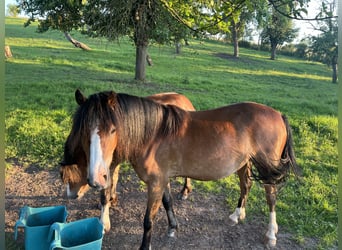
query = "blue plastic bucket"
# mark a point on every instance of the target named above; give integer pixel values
(85, 234)
(37, 222)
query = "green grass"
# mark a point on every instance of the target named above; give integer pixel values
(46, 69)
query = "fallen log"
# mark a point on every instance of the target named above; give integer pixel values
(76, 43)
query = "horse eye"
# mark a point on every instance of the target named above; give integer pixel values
(112, 131)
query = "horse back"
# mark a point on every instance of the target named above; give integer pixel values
(173, 98)
(247, 129)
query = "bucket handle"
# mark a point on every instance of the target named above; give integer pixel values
(21, 222)
(54, 235)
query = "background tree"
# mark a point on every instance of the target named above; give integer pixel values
(63, 15)
(278, 30)
(324, 47)
(12, 10)
(139, 19)
(142, 20)
(238, 22)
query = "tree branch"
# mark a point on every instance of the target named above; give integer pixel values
(76, 43)
(201, 29)
(275, 6)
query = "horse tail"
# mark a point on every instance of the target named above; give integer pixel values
(268, 172)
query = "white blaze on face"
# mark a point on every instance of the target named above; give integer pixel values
(69, 194)
(96, 163)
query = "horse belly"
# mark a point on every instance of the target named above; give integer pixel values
(204, 166)
(207, 155)
(212, 170)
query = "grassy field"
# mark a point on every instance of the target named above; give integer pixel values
(46, 69)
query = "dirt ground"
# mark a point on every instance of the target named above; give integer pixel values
(203, 218)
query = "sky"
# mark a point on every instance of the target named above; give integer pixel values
(305, 28)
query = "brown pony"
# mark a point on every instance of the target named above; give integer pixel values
(73, 170)
(165, 141)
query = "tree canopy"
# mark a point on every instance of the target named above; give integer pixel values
(278, 29)
(161, 21)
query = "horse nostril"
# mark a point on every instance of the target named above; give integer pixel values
(105, 177)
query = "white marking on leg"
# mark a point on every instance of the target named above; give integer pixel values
(172, 233)
(239, 213)
(272, 230)
(105, 220)
(242, 213)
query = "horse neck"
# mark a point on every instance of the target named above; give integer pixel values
(142, 122)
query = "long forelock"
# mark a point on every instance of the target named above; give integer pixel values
(71, 174)
(94, 112)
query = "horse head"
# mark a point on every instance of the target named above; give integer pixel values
(97, 134)
(75, 180)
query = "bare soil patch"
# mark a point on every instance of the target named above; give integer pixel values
(203, 218)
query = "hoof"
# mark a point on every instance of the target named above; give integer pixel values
(270, 243)
(171, 233)
(106, 227)
(233, 220)
(182, 196)
(106, 230)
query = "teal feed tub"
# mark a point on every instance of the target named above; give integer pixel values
(37, 222)
(85, 234)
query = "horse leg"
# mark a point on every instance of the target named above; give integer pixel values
(155, 194)
(187, 188)
(271, 192)
(109, 198)
(105, 205)
(168, 205)
(245, 186)
(114, 195)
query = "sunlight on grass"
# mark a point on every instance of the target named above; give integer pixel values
(263, 72)
(33, 43)
(24, 61)
(289, 74)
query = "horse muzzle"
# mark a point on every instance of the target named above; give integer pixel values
(101, 182)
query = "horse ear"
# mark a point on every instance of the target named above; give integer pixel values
(80, 98)
(112, 98)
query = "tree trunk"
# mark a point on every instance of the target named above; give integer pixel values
(334, 75)
(76, 43)
(178, 48)
(235, 40)
(140, 62)
(273, 51)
